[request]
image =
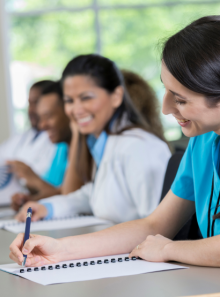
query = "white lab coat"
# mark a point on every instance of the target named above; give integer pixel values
(38, 153)
(128, 183)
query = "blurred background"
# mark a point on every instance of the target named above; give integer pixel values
(39, 37)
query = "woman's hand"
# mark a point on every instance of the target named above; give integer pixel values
(40, 250)
(18, 199)
(73, 126)
(153, 249)
(39, 211)
(23, 171)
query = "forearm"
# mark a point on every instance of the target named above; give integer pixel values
(204, 252)
(72, 181)
(119, 239)
(45, 194)
(38, 184)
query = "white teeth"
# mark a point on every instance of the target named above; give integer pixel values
(182, 121)
(84, 120)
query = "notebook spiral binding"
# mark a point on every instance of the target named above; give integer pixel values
(79, 264)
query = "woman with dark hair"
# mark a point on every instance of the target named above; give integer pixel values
(120, 156)
(191, 76)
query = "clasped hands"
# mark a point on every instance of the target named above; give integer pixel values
(23, 171)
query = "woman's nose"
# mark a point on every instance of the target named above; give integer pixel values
(77, 108)
(168, 106)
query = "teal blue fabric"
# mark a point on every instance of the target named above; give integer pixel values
(194, 178)
(97, 146)
(56, 172)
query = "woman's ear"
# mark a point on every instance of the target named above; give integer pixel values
(117, 97)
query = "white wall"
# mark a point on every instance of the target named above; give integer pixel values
(6, 122)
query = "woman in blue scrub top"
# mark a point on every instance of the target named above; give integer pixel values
(191, 76)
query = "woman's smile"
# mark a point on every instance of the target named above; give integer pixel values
(84, 120)
(183, 122)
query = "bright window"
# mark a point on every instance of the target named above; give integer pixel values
(45, 35)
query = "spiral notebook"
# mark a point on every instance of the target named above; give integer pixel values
(54, 224)
(7, 212)
(87, 269)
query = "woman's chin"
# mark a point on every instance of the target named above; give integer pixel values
(191, 132)
(85, 130)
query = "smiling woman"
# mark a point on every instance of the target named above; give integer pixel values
(192, 68)
(121, 157)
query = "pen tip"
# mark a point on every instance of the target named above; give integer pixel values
(24, 261)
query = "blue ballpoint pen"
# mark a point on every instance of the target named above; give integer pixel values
(27, 231)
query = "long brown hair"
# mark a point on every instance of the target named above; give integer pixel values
(106, 75)
(145, 100)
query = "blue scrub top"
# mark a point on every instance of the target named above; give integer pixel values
(56, 172)
(194, 178)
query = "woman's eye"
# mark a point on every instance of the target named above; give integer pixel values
(86, 98)
(179, 102)
(66, 101)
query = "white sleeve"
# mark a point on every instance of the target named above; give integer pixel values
(73, 203)
(145, 175)
(8, 147)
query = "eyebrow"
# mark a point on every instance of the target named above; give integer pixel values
(80, 95)
(174, 93)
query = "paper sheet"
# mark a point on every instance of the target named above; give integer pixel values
(7, 222)
(55, 224)
(90, 272)
(6, 212)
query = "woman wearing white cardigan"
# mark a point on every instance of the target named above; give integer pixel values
(121, 158)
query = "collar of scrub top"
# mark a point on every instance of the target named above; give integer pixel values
(37, 133)
(97, 146)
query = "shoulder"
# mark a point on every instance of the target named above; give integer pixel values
(62, 146)
(17, 137)
(202, 141)
(135, 141)
(61, 150)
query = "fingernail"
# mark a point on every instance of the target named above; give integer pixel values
(25, 251)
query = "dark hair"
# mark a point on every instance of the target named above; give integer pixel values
(106, 75)
(192, 56)
(42, 84)
(55, 88)
(145, 100)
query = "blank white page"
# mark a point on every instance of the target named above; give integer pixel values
(90, 272)
(55, 224)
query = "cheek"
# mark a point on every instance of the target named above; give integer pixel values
(101, 109)
(188, 112)
(68, 110)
